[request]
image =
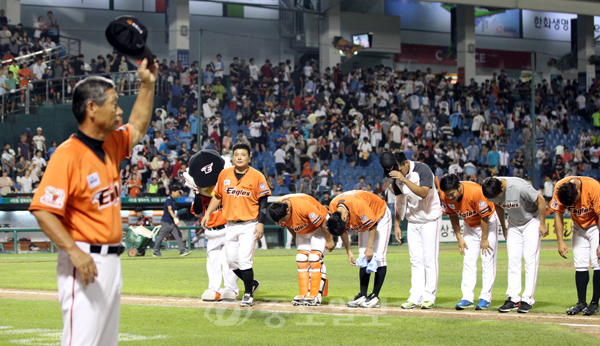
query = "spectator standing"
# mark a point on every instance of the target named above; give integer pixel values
(504, 160)
(218, 67)
(493, 159)
(52, 27)
(6, 183)
(39, 28)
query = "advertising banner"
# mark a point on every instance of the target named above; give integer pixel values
(547, 25)
(506, 24)
(486, 58)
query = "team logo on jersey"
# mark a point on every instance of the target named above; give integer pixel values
(207, 169)
(554, 204)
(468, 214)
(107, 197)
(237, 192)
(510, 205)
(363, 217)
(482, 204)
(262, 186)
(298, 228)
(93, 180)
(226, 182)
(579, 211)
(53, 197)
(451, 206)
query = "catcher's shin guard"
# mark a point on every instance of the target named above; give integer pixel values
(303, 274)
(324, 281)
(316, 273)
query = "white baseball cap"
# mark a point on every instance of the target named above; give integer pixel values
(39, 129)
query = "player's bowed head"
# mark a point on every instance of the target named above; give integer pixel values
(493, 187)
(336, 225)
(450, 185)
(279, 212)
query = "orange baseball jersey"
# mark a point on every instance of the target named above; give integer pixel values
(216, 218)
(472, 206)
(365, 209)
(83, 191)
(307, 213)
(240, 197)
(586, 210)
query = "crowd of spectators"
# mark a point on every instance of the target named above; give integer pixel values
(307, 120)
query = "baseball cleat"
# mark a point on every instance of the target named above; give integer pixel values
(408, 305)
(247, 300)
(156, 255)
(427, 305)
(508, 306)
(592, 309)
(576, 309)
(298, 301)
(210, 296)
(185, 253)
(360, 298)
(525, 307)
(228, 295)
(463, 304)
(312, 301)
(255, 286)
(482, 305)
(371, 302)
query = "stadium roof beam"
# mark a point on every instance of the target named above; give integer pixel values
(585, 7)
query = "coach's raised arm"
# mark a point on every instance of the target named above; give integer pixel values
(142, 109)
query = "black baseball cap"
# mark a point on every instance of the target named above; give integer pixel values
(388, 162)
(128, 35)
(205, 167)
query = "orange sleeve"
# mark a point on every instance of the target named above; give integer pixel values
(315, 214)
(263, 187)
(55, 187)
(219, 186)
(118, 143)
(595, 198)
(482, 205)
(555, 205)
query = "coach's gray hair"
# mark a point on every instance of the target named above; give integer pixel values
(90, 89)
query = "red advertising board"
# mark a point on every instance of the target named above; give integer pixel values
(440, 55)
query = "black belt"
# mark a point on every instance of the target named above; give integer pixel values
(112, 250)
(242, 221)
(216, 228)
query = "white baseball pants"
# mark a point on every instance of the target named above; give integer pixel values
(90, 313)
(216, 263)
(239, 244)
(472, 237)
(585, 243)
(383, 229)
(523, 242)
(311, 241)
(423, 247)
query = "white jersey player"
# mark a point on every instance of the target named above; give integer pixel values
(417, 199)
(526, 210)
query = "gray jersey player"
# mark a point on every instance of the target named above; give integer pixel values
(417, 199)
(526, 210)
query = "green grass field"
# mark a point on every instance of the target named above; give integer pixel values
(276, 270)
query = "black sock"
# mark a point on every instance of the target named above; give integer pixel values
(248, 278)
(379, 278)
(581, 281)
(364, 280)
(238, 273)
(596, 284)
